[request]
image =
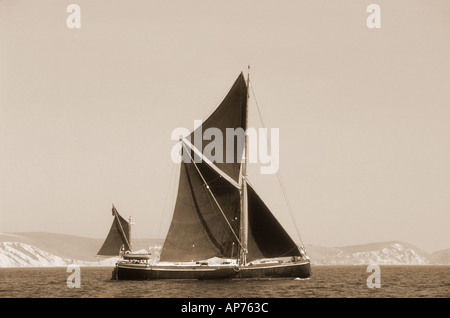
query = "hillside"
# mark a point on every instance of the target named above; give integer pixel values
(441, 257)
(388, 253)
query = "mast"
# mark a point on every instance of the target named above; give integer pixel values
(244, 197)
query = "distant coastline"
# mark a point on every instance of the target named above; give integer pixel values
(40, 249)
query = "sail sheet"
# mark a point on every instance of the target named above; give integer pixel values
(199, 230)
(118, 235)
(266, 237)
(231, 115)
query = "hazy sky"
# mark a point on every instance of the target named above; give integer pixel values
(364, 114)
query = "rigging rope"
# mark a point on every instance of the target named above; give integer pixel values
(280, 180)
(172, 183)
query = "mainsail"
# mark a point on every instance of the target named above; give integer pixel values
(198, 230)
(118, 236)
(229, 115)
(207, 217)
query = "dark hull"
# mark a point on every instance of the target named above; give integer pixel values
(270, 270)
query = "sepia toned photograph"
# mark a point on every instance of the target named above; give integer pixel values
(213, 151)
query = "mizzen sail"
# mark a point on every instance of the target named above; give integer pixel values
(118, 236)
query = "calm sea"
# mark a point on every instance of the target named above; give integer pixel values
(326, 281)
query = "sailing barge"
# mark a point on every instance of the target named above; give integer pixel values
(220, 227)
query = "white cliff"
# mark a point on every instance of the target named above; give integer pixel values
(17, 254)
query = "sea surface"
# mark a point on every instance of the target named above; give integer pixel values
(325, 281)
